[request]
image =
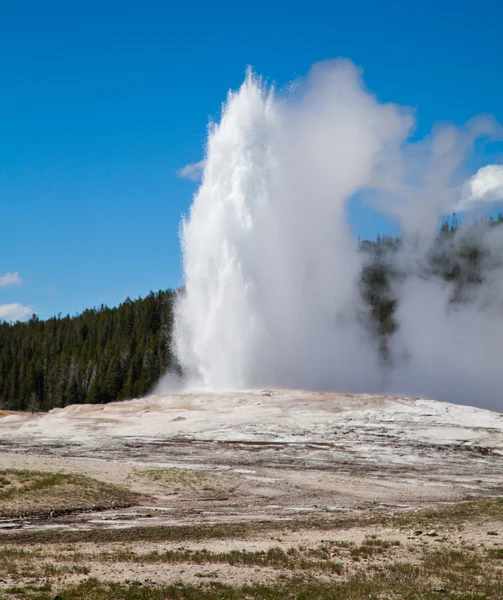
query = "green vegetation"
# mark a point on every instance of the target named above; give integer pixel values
(98, 356)
(275, 558)
(44, 566)
(372, 547)
(28, 493)
(490, 508)
(456, 575)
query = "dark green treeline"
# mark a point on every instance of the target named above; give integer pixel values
(98, 356)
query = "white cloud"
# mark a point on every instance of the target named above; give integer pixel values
(10, 279)
(484, 188)
(192, 171)
(15, 312)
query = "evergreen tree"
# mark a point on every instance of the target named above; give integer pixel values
(98, 356)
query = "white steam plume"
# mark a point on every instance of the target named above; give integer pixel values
(272, 272)
(444, 350)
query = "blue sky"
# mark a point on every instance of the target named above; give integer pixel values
(101, 103)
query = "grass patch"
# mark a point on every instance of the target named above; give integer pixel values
(36, 493)
(38, 568)
(175, 533)
(491, 508)
(372, 547)
(400, 580)
(198, 483)
(276, 558)
(303, 573)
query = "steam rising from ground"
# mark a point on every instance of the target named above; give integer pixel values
(272, 271)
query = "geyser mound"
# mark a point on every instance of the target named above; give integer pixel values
(272, 273)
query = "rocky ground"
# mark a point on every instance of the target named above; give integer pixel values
(248, 488)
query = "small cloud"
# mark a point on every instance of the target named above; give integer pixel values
(192, 171)
(484, 188)
(10, 279)
(15, 312)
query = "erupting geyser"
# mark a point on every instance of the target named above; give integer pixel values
(272, 272)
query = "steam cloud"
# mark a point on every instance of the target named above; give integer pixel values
(272, 272)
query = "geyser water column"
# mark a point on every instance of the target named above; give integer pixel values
(271, 269)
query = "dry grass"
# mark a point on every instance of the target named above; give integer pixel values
(195, 483)
(53, 564)
(35, 493)
(449, 516)
(443, 573)
(276, 558)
